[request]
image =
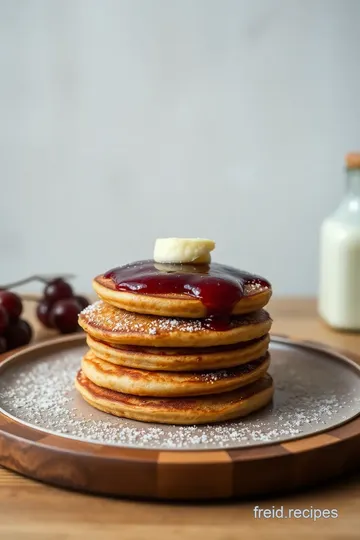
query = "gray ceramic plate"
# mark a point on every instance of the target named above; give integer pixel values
(315, 389)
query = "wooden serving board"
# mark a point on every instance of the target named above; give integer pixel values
(179, 474)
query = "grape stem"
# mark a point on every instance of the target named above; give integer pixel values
(35, 277)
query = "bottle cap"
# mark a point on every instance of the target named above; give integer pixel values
(352, 160)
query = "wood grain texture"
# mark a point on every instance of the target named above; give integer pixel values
(174, 475)
(195, 475)
(32, 510)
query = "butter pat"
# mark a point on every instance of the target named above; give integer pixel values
(183, 250)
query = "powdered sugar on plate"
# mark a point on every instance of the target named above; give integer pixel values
(314, 391)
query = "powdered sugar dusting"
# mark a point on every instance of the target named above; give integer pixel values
(254, 287)
(102, 315)
(220, 374)
(214, 376)
(313, 392)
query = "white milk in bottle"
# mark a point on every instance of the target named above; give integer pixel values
(339, 293)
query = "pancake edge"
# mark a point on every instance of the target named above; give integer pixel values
(200, 338)
(237, 407)
(197, 361)
(172, 306)
(139, 382)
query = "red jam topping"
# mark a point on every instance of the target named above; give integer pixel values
(219, 287)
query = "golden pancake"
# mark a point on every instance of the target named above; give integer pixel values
(172, 305)
(112, 325)
(180, 359)
(183, 411)
(168, 384)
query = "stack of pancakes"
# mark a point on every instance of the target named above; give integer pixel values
(156, 358)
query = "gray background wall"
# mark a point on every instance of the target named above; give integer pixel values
(122, 121)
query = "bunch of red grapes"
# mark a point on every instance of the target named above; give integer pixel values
(14, 332)
(58, 309)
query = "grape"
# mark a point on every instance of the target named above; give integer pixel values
(64, 315)
(12, 304)
(57, 289)
(84, 302)
(43, 311)
(18, 334)
(4, 320)
(3, 345)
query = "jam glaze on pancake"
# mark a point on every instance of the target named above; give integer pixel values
(211, 290)
(180, 359)
(181, 411)
(112, 325)
(168, 384)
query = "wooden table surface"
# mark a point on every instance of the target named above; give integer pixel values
(33, 511)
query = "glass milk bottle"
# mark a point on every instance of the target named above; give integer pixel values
(339, 293)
